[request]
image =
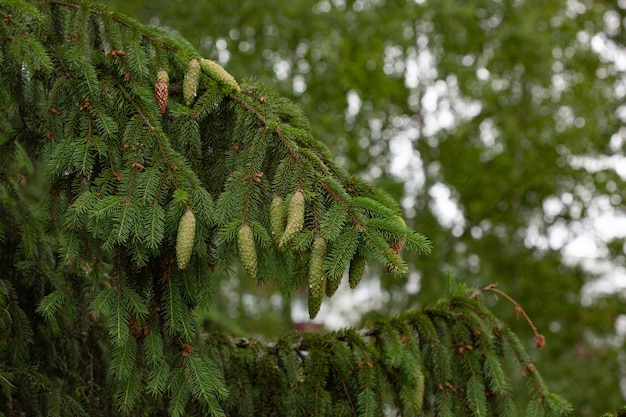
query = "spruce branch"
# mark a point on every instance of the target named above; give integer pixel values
(459, 336)
(154, 35)
(275, 128)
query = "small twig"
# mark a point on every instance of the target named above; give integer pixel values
(539, 338)
(6, 381)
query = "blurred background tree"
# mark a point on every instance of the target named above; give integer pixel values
(499, 125)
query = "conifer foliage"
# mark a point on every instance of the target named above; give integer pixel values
(132, 169)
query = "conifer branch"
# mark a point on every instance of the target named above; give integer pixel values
(472, 334)
(162, 38)
(344, 204)
(264, 121)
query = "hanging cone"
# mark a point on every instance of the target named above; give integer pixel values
(185, 238)
(161, 90)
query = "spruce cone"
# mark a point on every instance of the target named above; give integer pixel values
(185, 238)
(218, 73)
(295, 219)
(276, 217)
(191, 81)
(317, 276)
(356, 270)
(161, 90)
(332, 284)
(247, 250)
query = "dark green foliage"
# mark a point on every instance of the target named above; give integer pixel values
(392, 364)
(96, 317)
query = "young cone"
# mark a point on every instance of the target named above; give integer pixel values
(295, 219)
(191, 81)
(185, 238)
(161, 89)
(356, 270)
(218, 73)
(332, 284)
(317, 278)
(247, 250)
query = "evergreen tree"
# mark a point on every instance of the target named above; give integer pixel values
(531, 171)
(133, 172)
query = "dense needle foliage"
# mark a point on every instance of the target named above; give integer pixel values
(132, 171)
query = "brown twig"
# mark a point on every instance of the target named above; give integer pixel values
(539, 338)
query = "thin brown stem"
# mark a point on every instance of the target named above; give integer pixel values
(540, 339)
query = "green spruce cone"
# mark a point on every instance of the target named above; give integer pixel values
(356, 270)
(317, 278)
(277, 224)
(332, 284)
(295, 219)
(247, 250)
(191, 81)
(218, 73)
(185, 238)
